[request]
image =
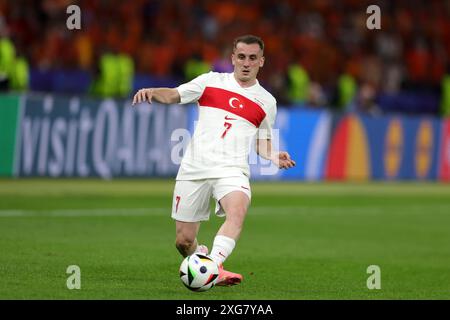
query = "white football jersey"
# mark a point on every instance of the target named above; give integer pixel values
(229, 118)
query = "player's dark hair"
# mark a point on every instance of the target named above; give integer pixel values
(249, 39)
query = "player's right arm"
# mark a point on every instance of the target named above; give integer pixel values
(186, 93)
(161, 95)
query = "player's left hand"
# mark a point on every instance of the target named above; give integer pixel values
(283, 160)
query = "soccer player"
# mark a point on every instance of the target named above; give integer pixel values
(233, 109)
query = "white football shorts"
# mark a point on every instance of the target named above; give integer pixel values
(191, 198)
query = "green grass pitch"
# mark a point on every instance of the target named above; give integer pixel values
(300, 241)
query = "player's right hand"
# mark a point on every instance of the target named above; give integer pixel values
(142, 96)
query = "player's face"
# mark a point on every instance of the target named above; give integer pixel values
(247, 59)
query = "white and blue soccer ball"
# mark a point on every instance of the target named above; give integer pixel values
(198, 272)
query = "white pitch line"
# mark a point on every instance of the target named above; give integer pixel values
(84, 212)
(105, 212)
(392, 209)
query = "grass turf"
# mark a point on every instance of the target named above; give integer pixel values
(300, 241)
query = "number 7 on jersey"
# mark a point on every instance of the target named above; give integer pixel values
(228, 126)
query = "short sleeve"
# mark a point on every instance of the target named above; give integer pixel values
(192, 90)
(265, 129)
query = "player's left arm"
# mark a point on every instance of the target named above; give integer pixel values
(281, 159)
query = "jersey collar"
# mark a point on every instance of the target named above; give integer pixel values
(231, 75)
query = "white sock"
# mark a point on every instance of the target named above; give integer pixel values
(201, 249)
(222, 248)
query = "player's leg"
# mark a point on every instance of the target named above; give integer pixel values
(186, 237)
(234, 198)
(190, 207)
(235, 205)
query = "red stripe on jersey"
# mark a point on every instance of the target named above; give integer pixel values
(234, 103)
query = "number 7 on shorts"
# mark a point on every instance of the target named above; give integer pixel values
(177, 199)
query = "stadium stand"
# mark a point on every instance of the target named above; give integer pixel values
(319, 53)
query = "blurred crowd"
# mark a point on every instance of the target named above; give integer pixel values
(324, 39)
